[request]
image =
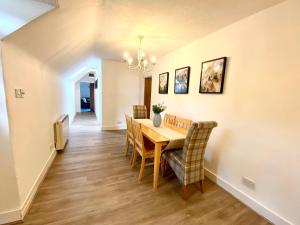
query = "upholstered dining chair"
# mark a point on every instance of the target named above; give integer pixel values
(139, 112)
(142, 146)
(129, 134)
(188, 163)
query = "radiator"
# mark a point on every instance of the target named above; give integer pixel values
(61, 132)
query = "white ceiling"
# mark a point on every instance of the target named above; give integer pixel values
(16, 13)
(106, 28)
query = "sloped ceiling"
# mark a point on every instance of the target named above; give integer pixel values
(16, 13)
(49, 2)
(80, 28)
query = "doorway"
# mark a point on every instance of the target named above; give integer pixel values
(87, 97)
(147, 94)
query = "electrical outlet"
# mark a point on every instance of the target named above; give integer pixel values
(119, 122)
(248, 183)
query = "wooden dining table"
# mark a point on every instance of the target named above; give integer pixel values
(161, 137)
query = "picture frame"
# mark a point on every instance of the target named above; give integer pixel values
(163, 83)
(212, 76)
(182, 79)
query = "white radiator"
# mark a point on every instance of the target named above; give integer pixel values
(61, 132)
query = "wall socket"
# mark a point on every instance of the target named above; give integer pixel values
(248, 183)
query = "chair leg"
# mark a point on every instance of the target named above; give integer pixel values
(134, 158)
(164, 167)
(185, 192)
(126, 146)
(132, 155)
(199, 185)
(142, 168)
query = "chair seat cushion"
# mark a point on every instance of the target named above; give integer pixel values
(187, 173)
(176, 162)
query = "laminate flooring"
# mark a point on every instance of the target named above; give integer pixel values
(91, 182)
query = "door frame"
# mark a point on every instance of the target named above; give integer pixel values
(146, 94)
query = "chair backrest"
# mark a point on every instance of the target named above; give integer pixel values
(169, 120)
(182, 125)
(129, 125)
(138, 136)
(139, 112)
(196, 140)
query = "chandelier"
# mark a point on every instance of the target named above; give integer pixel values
(142, 63)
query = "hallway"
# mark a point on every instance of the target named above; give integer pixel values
(91, 182)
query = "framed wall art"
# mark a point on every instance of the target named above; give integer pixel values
(212, 76)
(182, 78)
(163, 83)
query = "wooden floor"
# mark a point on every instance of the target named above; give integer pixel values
(91, 182)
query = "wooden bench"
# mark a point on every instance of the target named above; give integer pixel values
(177, 123)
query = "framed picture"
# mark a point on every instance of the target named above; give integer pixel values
(163, 83)
(212, 76)
(182, 77)
(96, 83)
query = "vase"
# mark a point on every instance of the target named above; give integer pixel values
(156, 119)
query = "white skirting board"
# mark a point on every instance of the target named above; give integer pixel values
(26, 204)
(247, 200)
(10, 216)
(19, 214)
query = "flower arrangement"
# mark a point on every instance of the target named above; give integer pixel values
(158, 108)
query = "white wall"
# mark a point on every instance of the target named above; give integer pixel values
(258, 114)
(77, 97)
(9, 196)
(98, 93)
(32, 117)
(120, 91)
(69, 99)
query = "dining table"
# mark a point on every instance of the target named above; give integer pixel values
(164, 139)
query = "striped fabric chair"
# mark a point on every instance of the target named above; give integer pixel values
(188, 163)
(139, 112)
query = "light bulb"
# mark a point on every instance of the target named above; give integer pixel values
(129, 60)
(145, 62)
(153, 59)
(143, 54)
(125, 55)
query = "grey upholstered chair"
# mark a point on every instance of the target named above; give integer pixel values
(139, 112)
(188, 163)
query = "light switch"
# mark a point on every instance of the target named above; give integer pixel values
(19, 93)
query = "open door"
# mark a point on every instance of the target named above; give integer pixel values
(147, 94)
(92, 97)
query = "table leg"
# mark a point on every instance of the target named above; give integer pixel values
(157, 155)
